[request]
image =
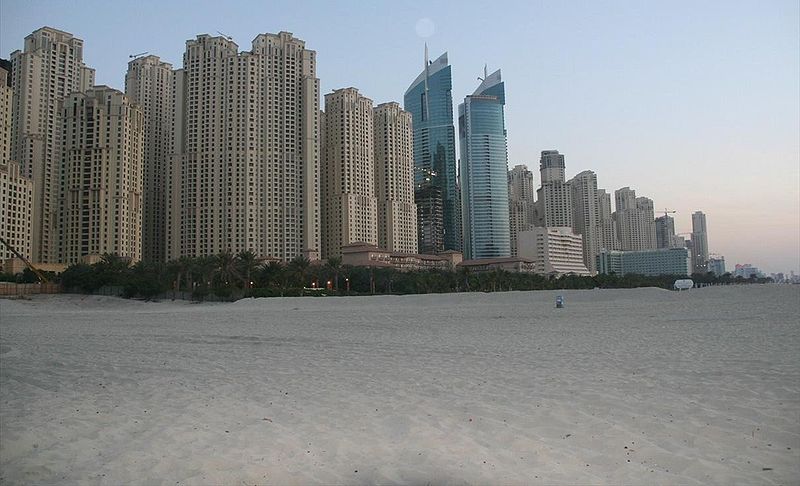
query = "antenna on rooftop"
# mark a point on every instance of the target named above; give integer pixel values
(484, 74)
(134, 56)
(225, 35)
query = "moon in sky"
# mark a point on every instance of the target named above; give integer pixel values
(425, 27)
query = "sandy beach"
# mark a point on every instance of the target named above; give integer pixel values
(640, 386)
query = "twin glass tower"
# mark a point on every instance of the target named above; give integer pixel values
(482, 197)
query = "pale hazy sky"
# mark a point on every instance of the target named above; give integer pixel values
(693, 104)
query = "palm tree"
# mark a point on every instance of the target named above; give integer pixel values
(335, 265)
(247, 264)
(298, 267)
(226, 267)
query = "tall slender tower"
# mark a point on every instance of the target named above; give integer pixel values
(148, 83)
(607, 238)
(665, 231)
(394, 179)
(246, 166)
(554, 202)
(429, 100)
(349, 206)
(48, 69)
(484, 170)
(586, 215)
(101, 187)
(699, 242)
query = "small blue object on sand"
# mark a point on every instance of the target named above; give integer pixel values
(559, 302)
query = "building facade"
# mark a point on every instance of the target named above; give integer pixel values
(554, 251)
(394, 179)
(665, 261)
(607, 238)
(49, 68)
(100, 197)
(716, 265)
(349, 205)
(245, 169)
(554, 197)
(429, 100)
(149, 84)
(484, 171)
(521, 202)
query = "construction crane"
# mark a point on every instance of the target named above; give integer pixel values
(33, 269)
(225, 35)
(667, 212)
(134, 56)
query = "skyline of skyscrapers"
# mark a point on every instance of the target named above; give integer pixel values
(484, 170)
(429, 99)
(232, 160)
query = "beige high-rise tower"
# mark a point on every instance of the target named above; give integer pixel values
(349, 206)
(148, 83)
(394, 179)
(521, 203)
(48, 69)
(16, 190)
(607, 230)
(636, 227)
(586, 215)
(101, 190)
(245, 175)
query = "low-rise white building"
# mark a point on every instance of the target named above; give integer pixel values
(554, 250)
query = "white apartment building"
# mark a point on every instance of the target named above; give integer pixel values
(349, 205)
(245, 174)
(149, 83)
(394, 179)
(556, 251)
(100, 197)
(48, 69)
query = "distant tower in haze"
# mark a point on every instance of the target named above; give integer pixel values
(665, 231)
(699, 242)
(484, 171)
(430, 102)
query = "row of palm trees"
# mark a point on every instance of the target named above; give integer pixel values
(228, 276)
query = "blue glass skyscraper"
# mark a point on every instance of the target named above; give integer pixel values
(484, 171)
(430, 102)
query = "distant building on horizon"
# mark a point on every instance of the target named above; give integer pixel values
(665, 261)
(429, 100)
(746, 270)
(484, 171)
(716, 265)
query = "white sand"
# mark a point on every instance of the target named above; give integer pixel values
(622, 386)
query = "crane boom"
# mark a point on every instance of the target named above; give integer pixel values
(33, 269)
